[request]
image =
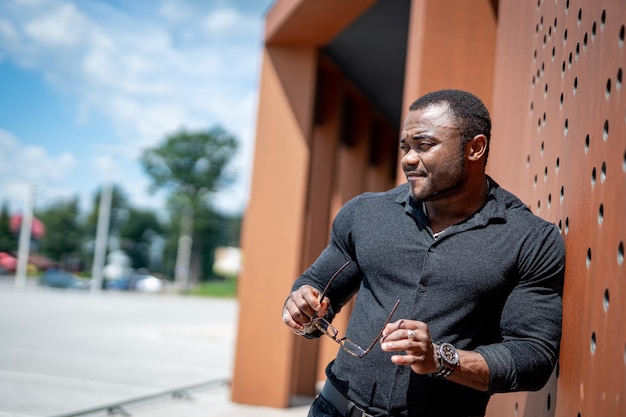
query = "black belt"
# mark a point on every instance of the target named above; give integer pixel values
(344, 406)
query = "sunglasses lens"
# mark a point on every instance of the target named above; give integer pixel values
(352, 348)
(327, 328)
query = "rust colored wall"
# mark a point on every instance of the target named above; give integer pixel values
(550, 71)
(272, 232)
(559, 142)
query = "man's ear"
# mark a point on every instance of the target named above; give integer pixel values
(477, 147)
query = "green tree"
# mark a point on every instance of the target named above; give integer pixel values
(8, 240)
(190, 167)
(138, 234)
(64, 231)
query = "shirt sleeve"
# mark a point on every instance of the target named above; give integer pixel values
(531, 318)
(339, 251)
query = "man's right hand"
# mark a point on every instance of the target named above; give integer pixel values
(302, 305)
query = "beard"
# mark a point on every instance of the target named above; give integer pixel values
(455, 178)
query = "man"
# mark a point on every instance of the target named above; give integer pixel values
(478, 278)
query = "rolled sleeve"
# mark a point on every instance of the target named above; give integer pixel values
(531, 319)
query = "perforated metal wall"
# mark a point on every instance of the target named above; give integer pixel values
(560, 144)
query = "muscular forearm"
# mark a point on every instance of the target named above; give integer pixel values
(473, 371)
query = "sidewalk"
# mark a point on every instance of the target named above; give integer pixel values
(212, 402)
(65, 351)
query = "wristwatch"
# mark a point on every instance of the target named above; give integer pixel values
(448, 360)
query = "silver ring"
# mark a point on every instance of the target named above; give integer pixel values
(410, 335)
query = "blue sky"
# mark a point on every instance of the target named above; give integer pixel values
(85, 86)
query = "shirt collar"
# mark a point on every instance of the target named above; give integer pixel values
(494, 208)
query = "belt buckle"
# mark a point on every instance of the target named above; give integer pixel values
(357, 411)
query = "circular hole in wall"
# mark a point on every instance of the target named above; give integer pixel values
(575, 85)
(620, 42)
(566, 225)
(580, 16)
(585, 41)
(565, 37)
(566, 127)
(605, 300)
(620, 253)
(577, 50)
(593, 177)
(593, 31)
(587, 144)
(601, 214)
(557, 165)
(607, 91)
(605, 131)
(603, 19)
(593, 342)
(618, 81)
(562, 193)
(603, 172)
(588, 258)
(563, 68)
(561, 100)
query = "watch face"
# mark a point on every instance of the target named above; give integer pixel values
(449, 353)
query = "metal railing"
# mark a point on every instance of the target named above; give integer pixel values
(120, 407)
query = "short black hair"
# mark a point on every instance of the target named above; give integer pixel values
(468, 111)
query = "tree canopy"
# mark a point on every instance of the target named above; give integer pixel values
(191, 164)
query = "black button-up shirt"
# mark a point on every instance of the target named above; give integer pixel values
(491, 284)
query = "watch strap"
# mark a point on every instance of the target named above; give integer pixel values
(443, 371)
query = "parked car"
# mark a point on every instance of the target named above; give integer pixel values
(58, 278)
(141, 281)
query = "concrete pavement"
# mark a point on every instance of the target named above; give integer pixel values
(65, 351)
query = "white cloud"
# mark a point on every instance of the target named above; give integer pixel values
(22, 166)
(221, 20)
(59, 28)
(182, 64)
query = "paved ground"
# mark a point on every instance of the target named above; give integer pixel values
(65, 351)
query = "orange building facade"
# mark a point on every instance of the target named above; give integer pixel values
(336, 81)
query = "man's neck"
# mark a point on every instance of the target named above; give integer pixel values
(451, 210)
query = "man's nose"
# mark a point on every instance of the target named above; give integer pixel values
(410, 158)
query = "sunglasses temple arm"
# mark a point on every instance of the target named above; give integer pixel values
(380, 333)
